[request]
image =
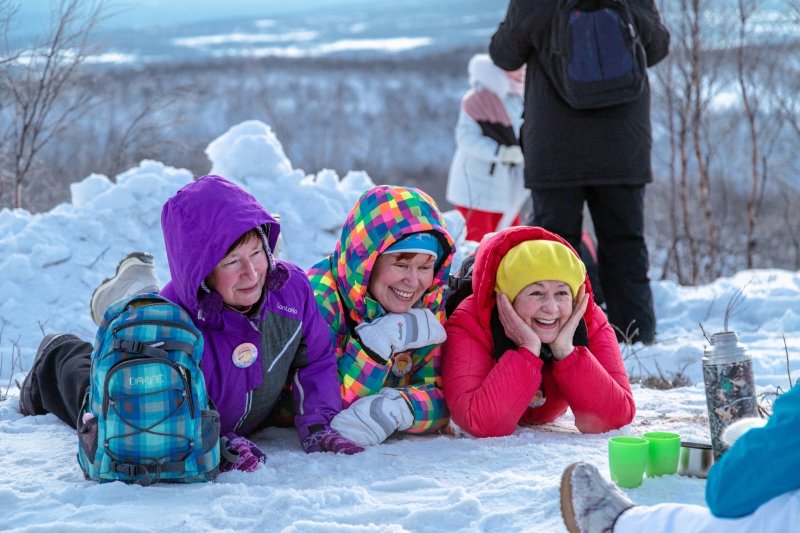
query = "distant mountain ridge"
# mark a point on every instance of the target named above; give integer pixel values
(176, 31)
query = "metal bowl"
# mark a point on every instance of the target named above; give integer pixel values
(695, 460)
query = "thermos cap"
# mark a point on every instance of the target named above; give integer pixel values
(725, 348)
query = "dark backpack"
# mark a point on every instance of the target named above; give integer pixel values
(146, 416)
(595, 57)
(459, 286)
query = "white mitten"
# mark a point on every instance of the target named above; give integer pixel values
(511, 154)
(398, 332)
(369, 421)
(740, 427)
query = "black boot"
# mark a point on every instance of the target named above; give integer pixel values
(30, 400)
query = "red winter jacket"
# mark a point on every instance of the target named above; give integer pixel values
(489, 397)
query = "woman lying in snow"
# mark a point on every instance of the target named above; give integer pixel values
(530, 342)
(219, 242)
(381, 293)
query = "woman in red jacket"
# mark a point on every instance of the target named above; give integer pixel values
(530, 342)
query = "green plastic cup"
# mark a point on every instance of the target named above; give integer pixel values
(663, 453)
(627, 460)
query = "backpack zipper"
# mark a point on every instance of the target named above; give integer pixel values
(154, 323)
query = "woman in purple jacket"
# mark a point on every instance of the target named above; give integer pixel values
(219, 240)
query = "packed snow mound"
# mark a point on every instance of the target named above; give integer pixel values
(54, 260)
(248, 150)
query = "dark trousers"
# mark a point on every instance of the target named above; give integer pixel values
(622, 262)
(61, 379)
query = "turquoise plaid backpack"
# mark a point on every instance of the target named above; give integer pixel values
(146, 416)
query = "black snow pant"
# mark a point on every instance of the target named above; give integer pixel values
(61, 379)
(617, 213)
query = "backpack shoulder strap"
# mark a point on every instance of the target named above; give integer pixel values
(157, 349)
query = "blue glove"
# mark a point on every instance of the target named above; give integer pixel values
(238, 453)
(329, 440)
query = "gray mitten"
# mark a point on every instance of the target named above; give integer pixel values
(511, 155)
(369, 421)
(398, 332)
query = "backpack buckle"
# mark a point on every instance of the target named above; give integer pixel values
(456, 282)
(128, 469)
(128, 346)
(451, 282)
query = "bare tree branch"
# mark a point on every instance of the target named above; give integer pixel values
(8, 11)
(42, 84)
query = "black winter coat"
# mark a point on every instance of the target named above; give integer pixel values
(569, 147)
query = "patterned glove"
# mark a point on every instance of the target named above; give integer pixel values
(369, 421)
(241, 454)
(329, 440)
(398, 332)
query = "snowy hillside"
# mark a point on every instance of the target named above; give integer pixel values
(50, 262)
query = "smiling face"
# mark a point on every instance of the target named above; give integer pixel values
(545, 306)
(239, 278)
(399, 280)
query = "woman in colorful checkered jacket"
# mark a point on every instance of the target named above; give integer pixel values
(381, 292)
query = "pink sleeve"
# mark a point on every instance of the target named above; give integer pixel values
(594, 382)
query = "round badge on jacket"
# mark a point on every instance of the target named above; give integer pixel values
(245, 355)
(538, 399)
(401, 364)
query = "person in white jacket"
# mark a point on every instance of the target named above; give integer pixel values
(485, 182)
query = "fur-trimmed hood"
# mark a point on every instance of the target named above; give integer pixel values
(487, 260)
(484, 74)
(200, 223)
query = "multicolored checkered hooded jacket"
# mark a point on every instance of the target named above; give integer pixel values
(382, 216)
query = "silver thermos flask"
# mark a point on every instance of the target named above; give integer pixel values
(730, 387)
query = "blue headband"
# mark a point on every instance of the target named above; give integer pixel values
(420, 243)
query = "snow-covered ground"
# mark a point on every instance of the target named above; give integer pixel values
(50, 262)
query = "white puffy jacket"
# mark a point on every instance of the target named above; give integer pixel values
(477, 178)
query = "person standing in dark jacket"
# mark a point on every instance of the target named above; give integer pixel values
(600, 157)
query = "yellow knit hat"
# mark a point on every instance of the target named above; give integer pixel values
(542, 260)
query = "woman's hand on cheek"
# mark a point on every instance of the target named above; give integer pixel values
(562, 346)
(516, 329)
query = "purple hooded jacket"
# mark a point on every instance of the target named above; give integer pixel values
(200, 223)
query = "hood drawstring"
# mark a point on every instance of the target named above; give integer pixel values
(210, 307)
(210, 302)
(277, 273)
